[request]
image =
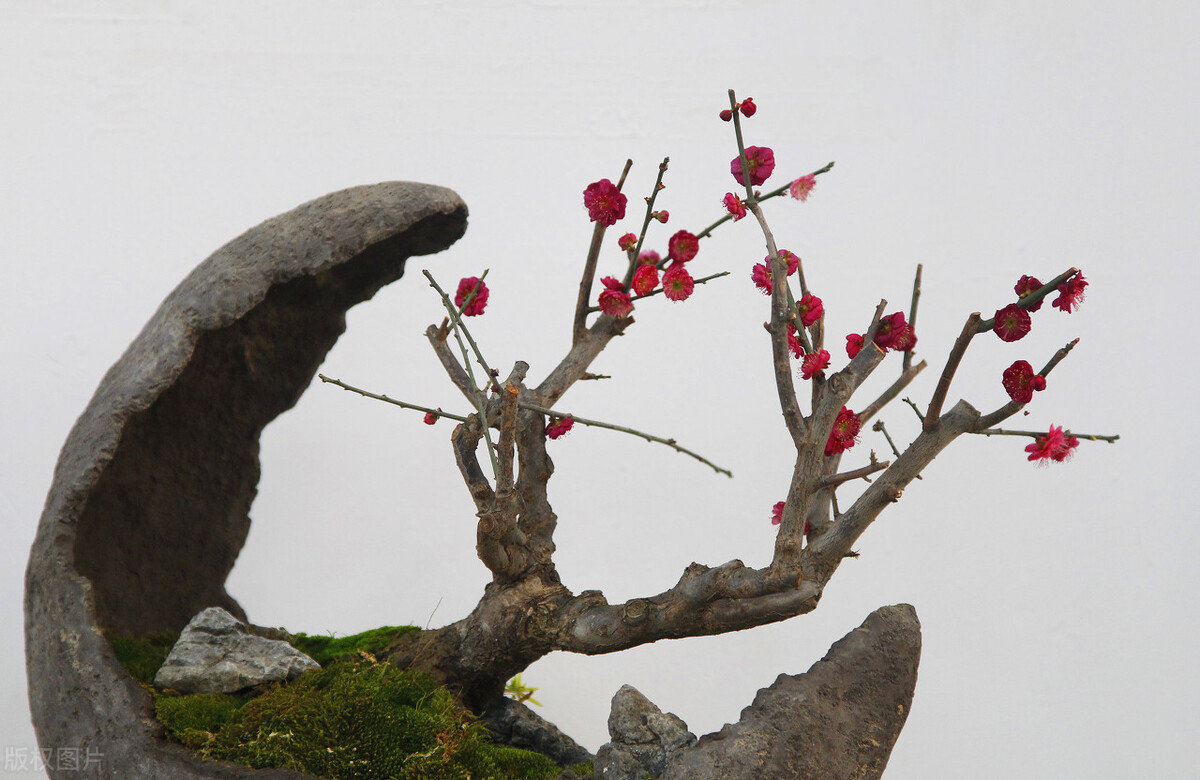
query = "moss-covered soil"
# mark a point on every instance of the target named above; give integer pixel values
(354, 719)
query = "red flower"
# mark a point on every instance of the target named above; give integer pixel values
(1012, 323)
(605, 203)
(1070, 293)
(726, 115)
(1019, 382)
(759, 159)
(431, 418)
(677, 283)
(761, 276)
(801, 188)
(844, 433)
(734, 205)
(683, 246)
(748, 107)
(1055, 445)
(1027, 285)
(627, 241)
(645, 279)
(894, 332)
(854, 344)
(559, 427)
(614, 301)
(794, 345)
(814, 364)
(793, 262)
(465, 286)
(810, 309)
(777, 513)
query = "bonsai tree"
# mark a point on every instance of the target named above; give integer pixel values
(503, 439)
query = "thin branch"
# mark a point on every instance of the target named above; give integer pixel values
(437, 339)
(1110, 438)
(637, 251)
(589, 270)
(887, 396)
(1012, 407)
(648, 437)
(833, 480)
(384, 398)
(952, 360)
(881, 428)
(912, 315)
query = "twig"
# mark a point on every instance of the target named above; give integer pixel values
(648, 437)
(889, 395)
(589, 270)
(916, 411)
(404, 404)
(880, 427)
(952, 360)
(912, 316)
(833, 480)
(637, 251)
(1038, 434)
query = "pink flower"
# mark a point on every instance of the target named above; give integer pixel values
(734, 205)
(854, 344)
(760, 274)
(814, 364)
(810, 309)
(614, 301)
(1055, 445)
(559, 427)
(645, 279)
(677, 283)
(844, 433)
(649, 256)
(1019, 381)
(801, 188)
(431, 418)
(894, 332)
(465, 286)
(661, 216)
(748, 108)
(794, 345)
(1012, 323)
(1070, 293)
(1027, 285)
(759, 159)
(683, 246)
(627, 241)
(777, 513)
(605, 203)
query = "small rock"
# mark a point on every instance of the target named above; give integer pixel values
(643, 738)
(216, 653)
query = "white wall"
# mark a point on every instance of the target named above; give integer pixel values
(985, 140)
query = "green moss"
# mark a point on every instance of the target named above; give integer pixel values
(324, 649)
(352, 720)
(143, 655)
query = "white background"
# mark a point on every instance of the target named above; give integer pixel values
(984, 139)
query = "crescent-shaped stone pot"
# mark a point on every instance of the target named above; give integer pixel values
(149, 505)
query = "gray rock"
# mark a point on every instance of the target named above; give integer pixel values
(643, 738)
(150, 500)
(216, 653)
(838, 720)
(514, 724)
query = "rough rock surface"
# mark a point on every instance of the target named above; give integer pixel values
(512, 723)
(838, 720)
(216, 653)
(643, 738)
(149, 506)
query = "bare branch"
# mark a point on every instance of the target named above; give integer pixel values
(833, 480)
(613, 427)
(952, 360)
(384, 398)
(437, 339)
(1110, 438)
(912, 316)
(887, 396)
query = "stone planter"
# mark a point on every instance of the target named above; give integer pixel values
(149, 505)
